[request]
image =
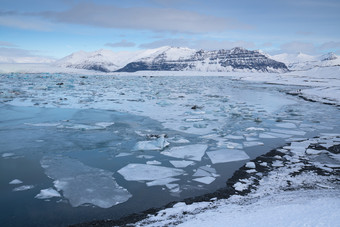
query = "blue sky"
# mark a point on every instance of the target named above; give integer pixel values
(56, 28)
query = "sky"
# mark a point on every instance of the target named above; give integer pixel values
(52, 29)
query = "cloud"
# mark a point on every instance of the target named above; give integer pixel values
(7, 44)
(166, 42)
(122, 43)
(18, 20)
(17, 55)
(198, 44)
(156, 19)
(330, 45)
(295, 47)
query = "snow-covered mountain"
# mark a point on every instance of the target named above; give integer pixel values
(302, 61)
(173, 59)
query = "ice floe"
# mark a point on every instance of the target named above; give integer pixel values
(205, 180)
(23, 188)
(83, 184)
(163, 181)
(7, 155)
(252, 143)
(192, 152)
(227, 155)
(181, 164)
(16, 181)
(144, 172)
(47, 194)
(285, 125)
(158, 144)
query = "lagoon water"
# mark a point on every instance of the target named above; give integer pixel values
(149, 141)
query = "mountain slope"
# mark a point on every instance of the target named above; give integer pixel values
(302, 61)
(173, 59)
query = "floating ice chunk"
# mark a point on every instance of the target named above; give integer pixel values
(251, 171)
(208, 169)
(81, 127)
(315, 152)
(231, 145)
(181, 164)
(163, 181)
(285, 125)
(266, 136)
(23, 188)
(104, 124)
(227, 155)
(250, 165)
(194, 119)
(298, 148)
(178, 140)
(16, 181)
(7, 155)
(153, 145)
(43, 124)
(251, 139)
(205, 180)
(201, 173)
(278, 135)
(47, 194)
(289, 132)
(83, 184)
(145, 156)
(138, 172)
(154, 162)
(123, 154)
(255, 129)
(233, 137)
(192, 152)
(252, 144)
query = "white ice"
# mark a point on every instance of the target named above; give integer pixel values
(289, 132)
(252, 143)
(250, 165)
(285, 125)
(7, 155)
(153, 162)
(16, 181)
(163, 181)
(83, 184)
(23, 188)
(141, 172)
(192, 152)
(205, 180)
(151, 145)
(227, 155)
(181, 164)
(47, 194)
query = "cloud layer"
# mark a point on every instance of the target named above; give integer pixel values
(155, 19)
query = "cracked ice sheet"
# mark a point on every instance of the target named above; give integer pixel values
(140, 172)
(193, 152)
(83, 184)
(227, 155)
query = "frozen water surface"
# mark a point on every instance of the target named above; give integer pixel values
(102, 141)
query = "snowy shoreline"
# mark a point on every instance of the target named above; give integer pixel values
(301, 172)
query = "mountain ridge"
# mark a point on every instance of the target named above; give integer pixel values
(173, 59)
